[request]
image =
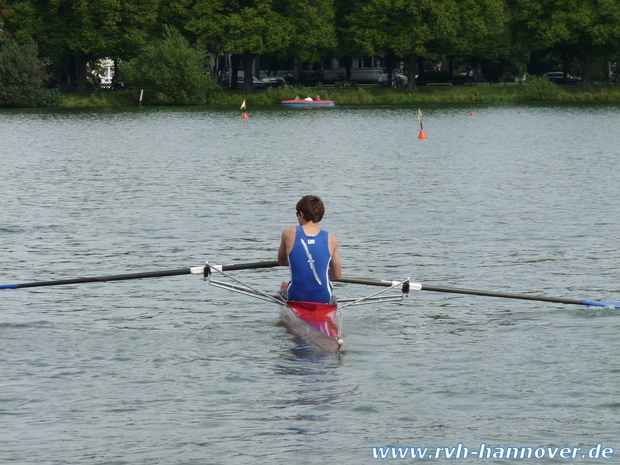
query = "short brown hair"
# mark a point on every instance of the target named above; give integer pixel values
(312, 207)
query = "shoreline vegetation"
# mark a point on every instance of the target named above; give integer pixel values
(535, 90)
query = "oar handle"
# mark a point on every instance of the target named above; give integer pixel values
(368, 282)
(405, 286)
(246, 266)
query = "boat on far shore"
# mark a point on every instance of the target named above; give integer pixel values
(308, 103)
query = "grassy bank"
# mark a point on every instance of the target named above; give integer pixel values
(536, 90)
(103, 98)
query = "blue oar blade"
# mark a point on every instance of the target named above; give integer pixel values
(9, 286)
(601, 304)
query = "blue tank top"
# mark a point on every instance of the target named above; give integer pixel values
(309, 264)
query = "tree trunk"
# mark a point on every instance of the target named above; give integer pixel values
(565, 65)
(248, 82)
(82, 61)
(389, 63)
(234, 72)
(411, 61)
(587, 68)
(477, 67)
(257, 67)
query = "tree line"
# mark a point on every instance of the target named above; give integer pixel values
(497, 36)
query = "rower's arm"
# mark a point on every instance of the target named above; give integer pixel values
(282, 251)
(335, 265)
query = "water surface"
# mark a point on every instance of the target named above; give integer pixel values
(519, 198)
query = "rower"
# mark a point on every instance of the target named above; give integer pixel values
(311, 253)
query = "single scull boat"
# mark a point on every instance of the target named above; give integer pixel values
(319, 324)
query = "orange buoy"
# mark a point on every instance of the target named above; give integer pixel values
(422, 134)
(245, 115)
(472, 114)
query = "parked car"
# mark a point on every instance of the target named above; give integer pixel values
(401, 80)
(557, 77)
(274, 81)
(258, 84)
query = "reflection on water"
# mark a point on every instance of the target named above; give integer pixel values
(317, 386)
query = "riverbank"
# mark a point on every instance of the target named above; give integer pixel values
(535, 90)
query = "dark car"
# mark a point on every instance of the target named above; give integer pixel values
(274, 82)
(258, 84)
(557, 77)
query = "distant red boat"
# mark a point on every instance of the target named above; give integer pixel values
(308, 103)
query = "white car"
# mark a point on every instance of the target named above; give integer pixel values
(401, 80)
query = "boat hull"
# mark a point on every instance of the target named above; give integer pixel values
(308, 103)
(315, 322)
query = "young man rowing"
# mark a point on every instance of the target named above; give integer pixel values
(311, 254)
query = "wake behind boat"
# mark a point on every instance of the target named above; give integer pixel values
(308, 103)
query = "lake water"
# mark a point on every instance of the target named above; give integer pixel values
(518, 198)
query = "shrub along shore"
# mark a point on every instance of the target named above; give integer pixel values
(534, 90)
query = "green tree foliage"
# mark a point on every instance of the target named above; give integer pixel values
(70, 33)
(345, 43)
(251, 28)
(246, 28)
(21, 74)
(484, 36)
(590, 26)
(310, 28)
(76, 31)
(400, 28)
(410, 28)
(171, 71)
(481, 25)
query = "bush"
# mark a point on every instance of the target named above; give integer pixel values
(51, 98)
(171, 72)
(538, 88)
(21, 74)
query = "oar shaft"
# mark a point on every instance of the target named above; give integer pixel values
(455, 290)
(149, 274)
(94, 279)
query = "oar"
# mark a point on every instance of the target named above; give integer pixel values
(150, 274)
(455, 290)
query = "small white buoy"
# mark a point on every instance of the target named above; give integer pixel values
(340, 342)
